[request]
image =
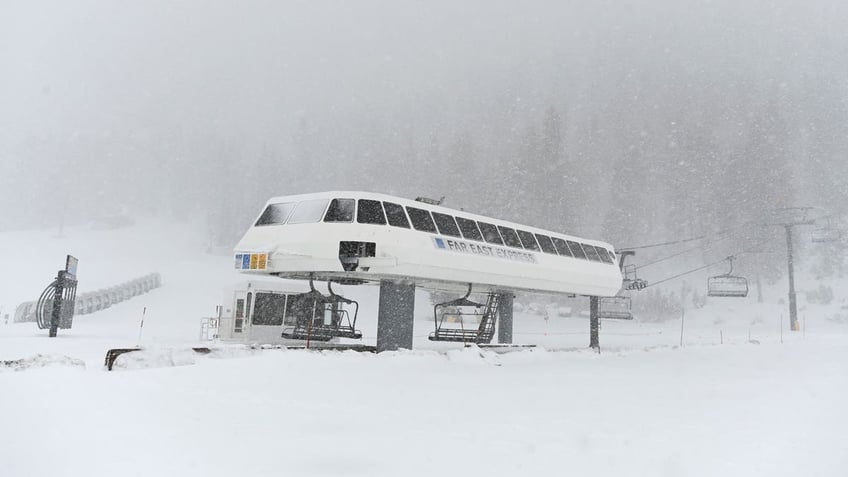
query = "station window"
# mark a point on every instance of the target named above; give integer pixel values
(268, 309)
(546, 243)
(370, 212)
(510, 237)
(604, 254)
(396, 215)
(275, 214)
(562, 247)
(591, 253)
(469, 229)
(421, 219)
(446, 224)
(299, 309)
(528, 240)
(340, 210)
(490, 233)
(308, 211)
(577, 250)
(239, 321)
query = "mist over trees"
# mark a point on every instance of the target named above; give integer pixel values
(633, 122)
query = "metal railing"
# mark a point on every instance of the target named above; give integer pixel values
(91, 302)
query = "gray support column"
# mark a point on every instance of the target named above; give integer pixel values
(395, 316)
(505, 318)
(594, 324)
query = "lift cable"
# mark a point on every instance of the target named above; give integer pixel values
(691, 239)
(708, 244)
(735, 255)
(667, 257)
(691, 249)
(663, 244)
(688, 272)
(722, 232)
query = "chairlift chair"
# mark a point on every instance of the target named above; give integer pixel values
(615, 308)
(826, 234)
(311, 322)
(727, 285)
(455, 311)
(631, 280)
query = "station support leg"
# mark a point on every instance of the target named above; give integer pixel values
(505, 318)
(395, 316)
(594, 324)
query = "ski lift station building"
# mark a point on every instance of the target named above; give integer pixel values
(362, 237)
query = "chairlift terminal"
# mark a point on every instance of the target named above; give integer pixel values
(361, 237)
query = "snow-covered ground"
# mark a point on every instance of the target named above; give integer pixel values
(645, 406)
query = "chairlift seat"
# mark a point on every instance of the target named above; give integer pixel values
(341, 326)
(615, 308)
(727, 286)
(320, 333)
(826, 235)
(483, 333)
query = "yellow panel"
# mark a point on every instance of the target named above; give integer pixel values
(254, 261)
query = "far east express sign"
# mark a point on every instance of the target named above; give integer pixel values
(483, 250)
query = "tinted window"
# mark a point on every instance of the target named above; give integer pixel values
(341, 210)
(421, 219)
(268, 309)
(446, 224)
(562, 247)
(490, 233)
(528, 240)
(299, 309)
(602, 252)
(370, 212)
(612, 255)
(576, 249)
(469, 229)
(308, 211)
(591, 253)
(509, 236)
(275, 214)
(546, 243)
(396, 215)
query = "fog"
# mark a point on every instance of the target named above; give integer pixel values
(632, 121)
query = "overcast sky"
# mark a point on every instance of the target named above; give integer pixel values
(249, 70)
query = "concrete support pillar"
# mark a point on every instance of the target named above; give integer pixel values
(594, 324)
(395, 316)
(505, 318)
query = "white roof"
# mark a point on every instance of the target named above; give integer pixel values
(435, 208)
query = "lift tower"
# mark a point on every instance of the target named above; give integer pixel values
(790, 221)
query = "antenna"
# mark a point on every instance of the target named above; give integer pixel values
(430, 201)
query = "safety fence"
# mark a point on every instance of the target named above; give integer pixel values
(97, 300)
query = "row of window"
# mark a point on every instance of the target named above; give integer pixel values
(367, 211)
(275, 309)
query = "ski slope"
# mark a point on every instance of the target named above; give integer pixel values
(720, 404)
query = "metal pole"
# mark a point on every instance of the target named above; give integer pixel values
(682, 318)
(793, 307)
(57, 304)
(141, 325)
(594, 324)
